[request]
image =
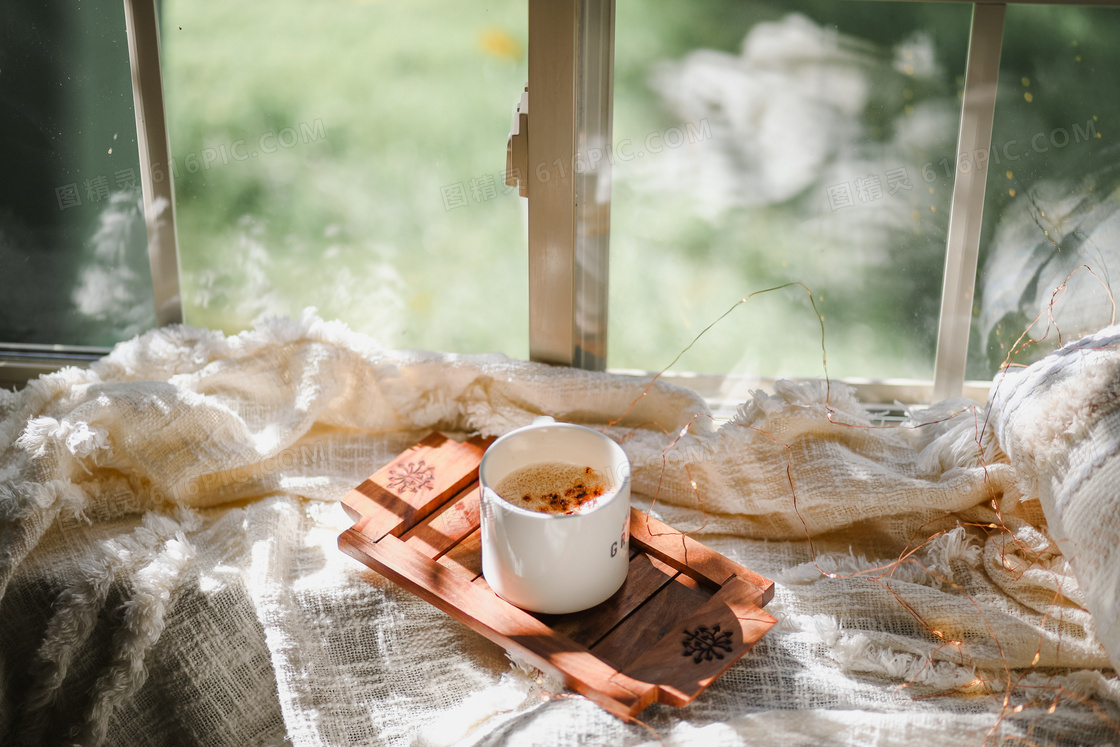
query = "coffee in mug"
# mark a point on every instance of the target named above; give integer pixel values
(554, 487)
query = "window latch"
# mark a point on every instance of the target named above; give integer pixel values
(517, 147)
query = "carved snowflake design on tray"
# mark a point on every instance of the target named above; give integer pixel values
(412, 477)
(705, 644)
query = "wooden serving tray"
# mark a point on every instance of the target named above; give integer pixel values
(684, 615)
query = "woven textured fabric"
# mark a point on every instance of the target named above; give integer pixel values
(1060, 423)
(169, 570)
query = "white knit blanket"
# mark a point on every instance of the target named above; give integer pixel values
(169, 571)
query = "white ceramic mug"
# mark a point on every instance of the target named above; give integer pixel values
(555, 563)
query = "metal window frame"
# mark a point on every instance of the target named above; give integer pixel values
(966, 210)
(142, 26)
(566, 177)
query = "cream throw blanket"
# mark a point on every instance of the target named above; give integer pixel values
(169, 573)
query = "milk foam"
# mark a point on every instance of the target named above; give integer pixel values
(553, 487)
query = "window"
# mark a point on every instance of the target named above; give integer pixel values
(337, 157)
(1050, 216)
(782, 144)
(895, 67)
(72, 230)
(87, 228)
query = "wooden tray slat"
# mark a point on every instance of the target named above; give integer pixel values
(645, 577)
(416, 521)
(689, 556)
(660, 614)
(413, 485)
(440, 532)
(466, 557)
(701, 644)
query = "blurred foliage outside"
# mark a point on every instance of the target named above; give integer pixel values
(410, 98)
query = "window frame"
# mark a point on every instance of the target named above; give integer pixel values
(142, 27)
(571, 60)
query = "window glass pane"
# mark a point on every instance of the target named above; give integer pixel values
(350, 156)
(764, 143)
(1051, 202)
(73, 244)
